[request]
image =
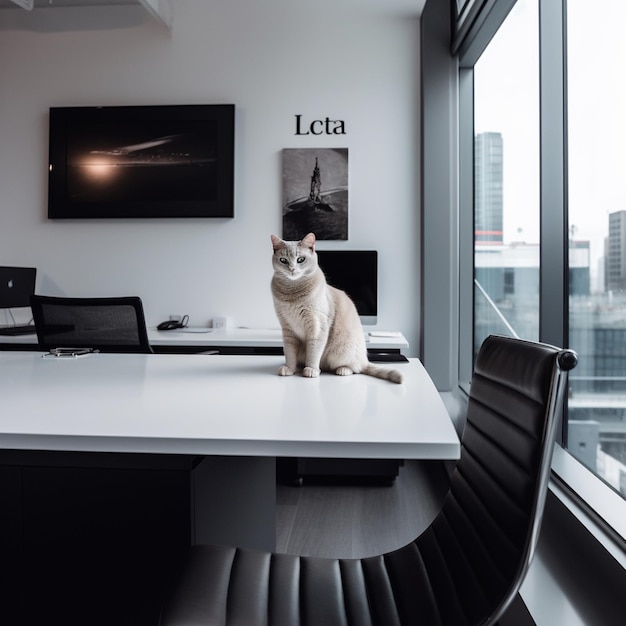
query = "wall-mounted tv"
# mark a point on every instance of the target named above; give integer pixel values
(141, 161)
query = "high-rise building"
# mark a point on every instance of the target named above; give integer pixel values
(488, 202)
(615, 253)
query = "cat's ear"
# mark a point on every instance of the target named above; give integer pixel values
(277, 243)
(309, 241)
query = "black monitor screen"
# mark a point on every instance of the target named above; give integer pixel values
(356, 273)
(17, 284)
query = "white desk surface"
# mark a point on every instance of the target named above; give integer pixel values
(255, 338)
(236, 337)
(221, 405)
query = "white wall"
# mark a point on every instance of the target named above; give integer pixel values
(272, 59)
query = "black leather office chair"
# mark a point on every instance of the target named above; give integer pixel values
(464, 570)
(108, 324)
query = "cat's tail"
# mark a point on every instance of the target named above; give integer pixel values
(382, 372)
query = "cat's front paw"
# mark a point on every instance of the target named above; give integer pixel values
(310, 372)
(344, 371)
(285, 371)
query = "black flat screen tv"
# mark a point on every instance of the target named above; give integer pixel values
(141, 162)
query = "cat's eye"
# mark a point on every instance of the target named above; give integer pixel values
(301, 259)
(283, 260)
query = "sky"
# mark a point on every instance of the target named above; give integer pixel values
(506, 101)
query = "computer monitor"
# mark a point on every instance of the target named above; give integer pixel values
(356, 273)
(17, 284)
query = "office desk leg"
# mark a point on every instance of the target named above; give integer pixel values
(234, 502)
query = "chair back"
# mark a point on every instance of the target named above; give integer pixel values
(108, 324)
(489, 523)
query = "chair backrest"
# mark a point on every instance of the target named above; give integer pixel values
(493, 510)
(108, 324)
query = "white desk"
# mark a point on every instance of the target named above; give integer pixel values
(202, 338)
(104, 480)
(216, 405)
(257, 338)
(105, 483)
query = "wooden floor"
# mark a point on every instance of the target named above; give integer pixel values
(353, 521)
(359, 520)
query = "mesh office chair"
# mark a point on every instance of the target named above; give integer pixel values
(463, 570)
(108, 324)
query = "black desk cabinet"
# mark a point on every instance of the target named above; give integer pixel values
(64, 561)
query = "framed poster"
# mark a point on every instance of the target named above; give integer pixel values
(315, 193)
(141, 161)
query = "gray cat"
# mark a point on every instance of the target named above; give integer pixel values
(320, 324)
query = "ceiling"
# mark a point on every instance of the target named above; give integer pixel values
(159, 9)
(162, 9)
(408, 6)
(67, 3)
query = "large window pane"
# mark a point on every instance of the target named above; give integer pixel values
(506, 180)
(596, 68)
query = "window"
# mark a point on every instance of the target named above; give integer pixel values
(542, 95)
(596, 70)
(506, 180)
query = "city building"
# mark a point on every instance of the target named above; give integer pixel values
(488, 151)
(615, 272)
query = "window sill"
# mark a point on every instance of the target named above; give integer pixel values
(600, 509)
(579, 571)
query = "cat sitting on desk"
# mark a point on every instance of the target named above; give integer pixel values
(320, 324)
